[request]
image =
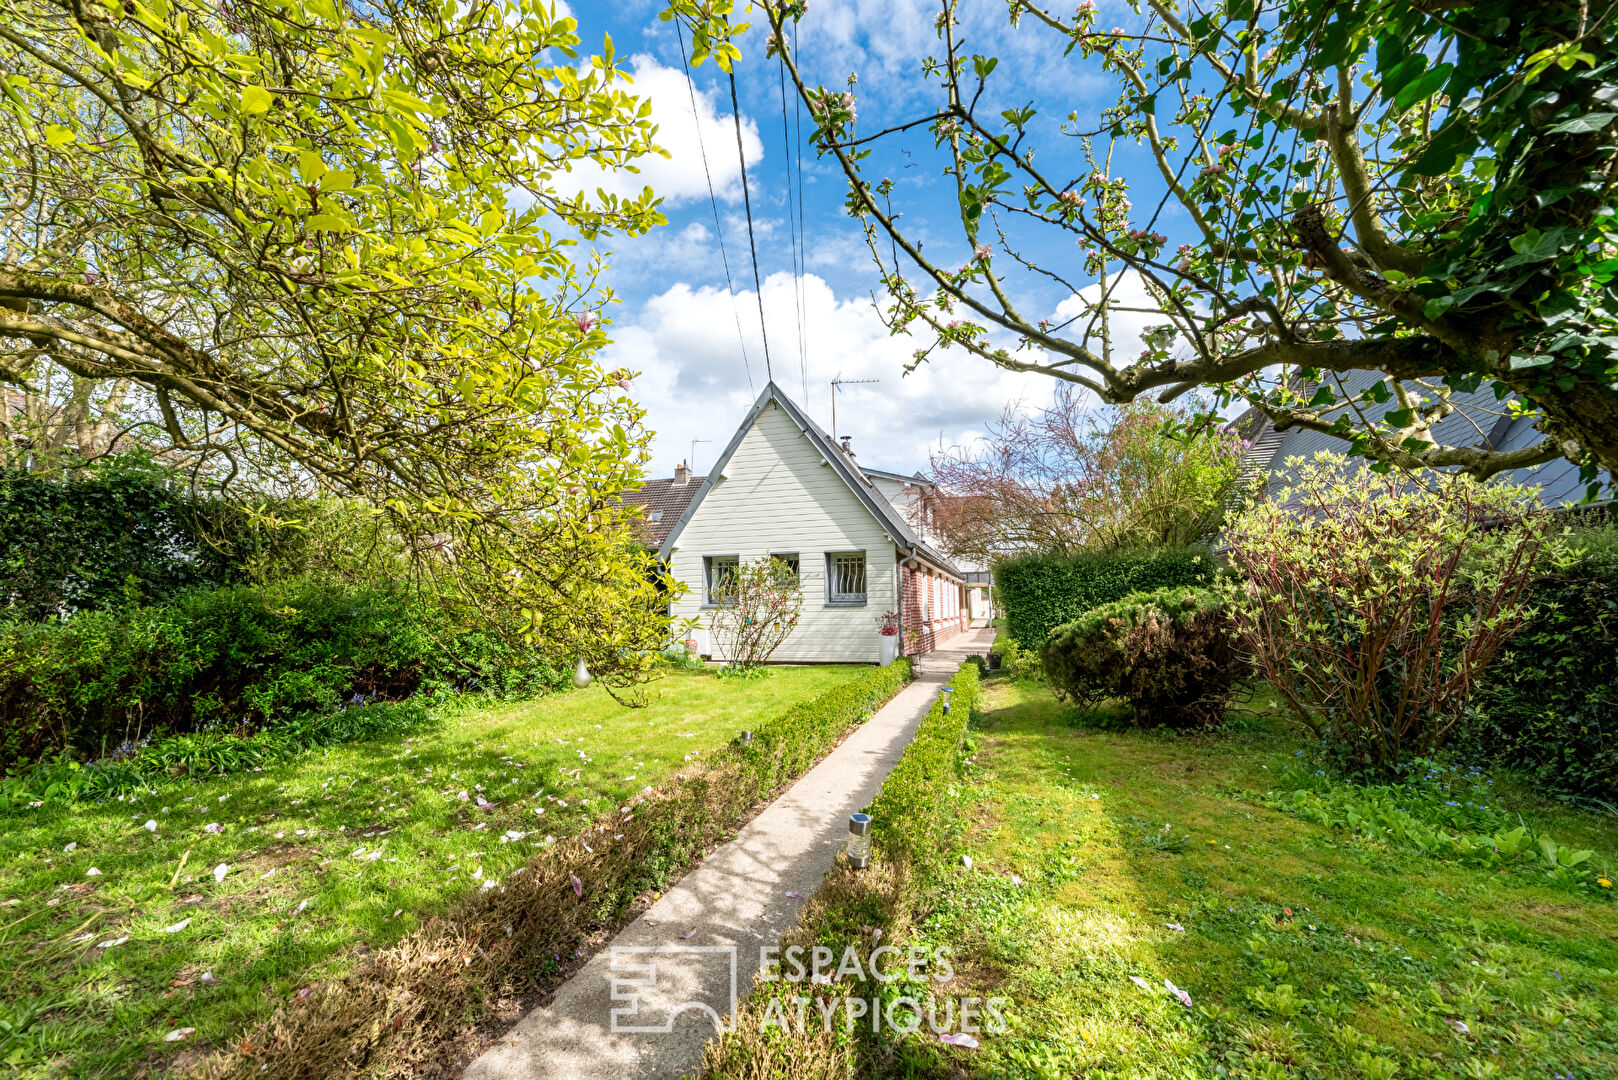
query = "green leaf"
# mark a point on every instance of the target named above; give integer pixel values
(1424, 87)
(328, 223)
(1534, 246)
(1521, 361)
(57, 136)
(1588, 124)
(256, 100)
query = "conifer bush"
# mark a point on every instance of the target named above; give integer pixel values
(1170, 653)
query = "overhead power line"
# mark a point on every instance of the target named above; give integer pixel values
(747, 203)
(713, 201)
(795, 228)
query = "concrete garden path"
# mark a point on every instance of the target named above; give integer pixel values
(674, 962)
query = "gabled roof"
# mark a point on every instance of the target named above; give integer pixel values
(1480, 419)
(842, 464)
(664, 501)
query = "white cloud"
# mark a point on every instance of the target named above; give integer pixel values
(1124, 323)
(694, 385)
(679, 177)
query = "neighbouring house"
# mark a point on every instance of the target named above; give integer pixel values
(1479, 419)
(662, 501)
(913, 494)
(784, 488)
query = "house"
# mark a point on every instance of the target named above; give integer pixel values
(1479, 419)
(662, 501)
(913, 495)
(784, 488)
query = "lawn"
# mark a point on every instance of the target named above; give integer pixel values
(209, 904)
(1100, 857)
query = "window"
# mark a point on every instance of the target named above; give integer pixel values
(655, 515)
(790, 575)
(845, 578)
(718, 579)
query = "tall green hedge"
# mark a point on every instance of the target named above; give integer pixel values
(125, 527)
(1549, 703)
(1040, 592)
(239, 656)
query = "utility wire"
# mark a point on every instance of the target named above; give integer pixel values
(719, 230)
(794, 226)
(803, 231)
(747, 203)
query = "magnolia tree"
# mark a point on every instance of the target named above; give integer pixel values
(759, 606)
(318, 246)
(1356, 208)
(1373, 603)
(1067, 478)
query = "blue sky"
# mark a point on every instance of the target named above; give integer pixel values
(675, 323)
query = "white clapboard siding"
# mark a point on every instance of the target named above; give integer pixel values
(779, 496)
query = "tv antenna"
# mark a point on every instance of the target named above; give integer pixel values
(835, 383)
(693, 459)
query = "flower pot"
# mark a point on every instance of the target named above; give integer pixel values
(890, 648)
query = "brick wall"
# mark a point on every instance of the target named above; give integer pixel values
(925, 593)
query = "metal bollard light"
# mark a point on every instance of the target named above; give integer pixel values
(859, 841)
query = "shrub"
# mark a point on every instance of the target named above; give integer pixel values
(241, 657)
(762, 602)
(1021, 663)
(124, 525)
(1374, 603)
(1169, 653)
(1549, 704)
(1040, 592)
(912, 811)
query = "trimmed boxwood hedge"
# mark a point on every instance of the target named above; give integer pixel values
(1040, 592)
(860, 909)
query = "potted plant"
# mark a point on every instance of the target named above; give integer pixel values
(887, 628)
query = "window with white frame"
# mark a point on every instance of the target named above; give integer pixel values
(845, 577)
(719, 579)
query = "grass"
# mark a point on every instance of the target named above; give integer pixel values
(1099, 856)
(316, 863)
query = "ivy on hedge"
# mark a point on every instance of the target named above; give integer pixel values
(119, 528)
(1040, 592)
(1549, 703)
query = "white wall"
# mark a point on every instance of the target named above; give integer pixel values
(779, 496)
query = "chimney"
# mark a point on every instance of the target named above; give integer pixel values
(682, 475)
(847, 449)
